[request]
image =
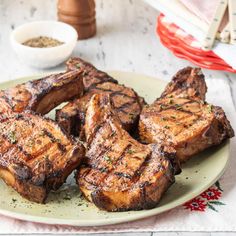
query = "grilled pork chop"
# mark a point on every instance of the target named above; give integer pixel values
(182, 119)
(36, 156)
(42, 95)
(119, 173)
(126, 101)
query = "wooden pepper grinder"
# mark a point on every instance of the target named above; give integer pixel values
(80, 14)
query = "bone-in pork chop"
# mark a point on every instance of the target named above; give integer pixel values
(119, 173)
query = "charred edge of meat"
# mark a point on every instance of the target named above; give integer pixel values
(170, 153)
(39, 89)
(224, 126)
(187, 78)
(89, 72)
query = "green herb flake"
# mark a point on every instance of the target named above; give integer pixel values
(173, 117)
(163, 118)
(57, 140)
(108, 159)
(13, 200)
(130, 151)
(131, 115)
(42, 133)
(103, 169)
(166, 127)
(162, 106)
(178, 107)
(12, 137)
(78, 65)
(30, 143)
(171, 101)
(209, 108)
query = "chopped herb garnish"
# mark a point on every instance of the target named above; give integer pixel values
(108, 159)
(209, 107)
(12, 137)
(131, 115)
(162, 106)
(171, 96)
(30, 143)
(166, 127)
(103, 169)
(130, 151)
(57, 140)
(178, 107)
(14, 200)
(171, 101)
(173, 117)
(163, 118)
(78, 65)
(113, 133)
(42, 133)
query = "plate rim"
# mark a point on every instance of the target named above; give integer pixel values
(111, 221)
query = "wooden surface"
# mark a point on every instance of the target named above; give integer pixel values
(126, 40)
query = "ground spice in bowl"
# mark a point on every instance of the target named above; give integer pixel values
(42, 42)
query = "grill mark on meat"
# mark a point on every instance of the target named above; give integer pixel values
(124, 106)
(116, 163)
(93, 135)
(139, 171)
(101, 80)
(100, 152)
(54, 140)
(120, 93)
(103, 150)
(123, 175)
(90, 73)
(22, 150)
(46, 132)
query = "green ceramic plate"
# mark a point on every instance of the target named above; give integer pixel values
(66, 205)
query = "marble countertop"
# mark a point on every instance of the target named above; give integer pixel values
(125, 40)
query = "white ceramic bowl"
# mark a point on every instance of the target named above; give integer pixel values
(44, 57)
